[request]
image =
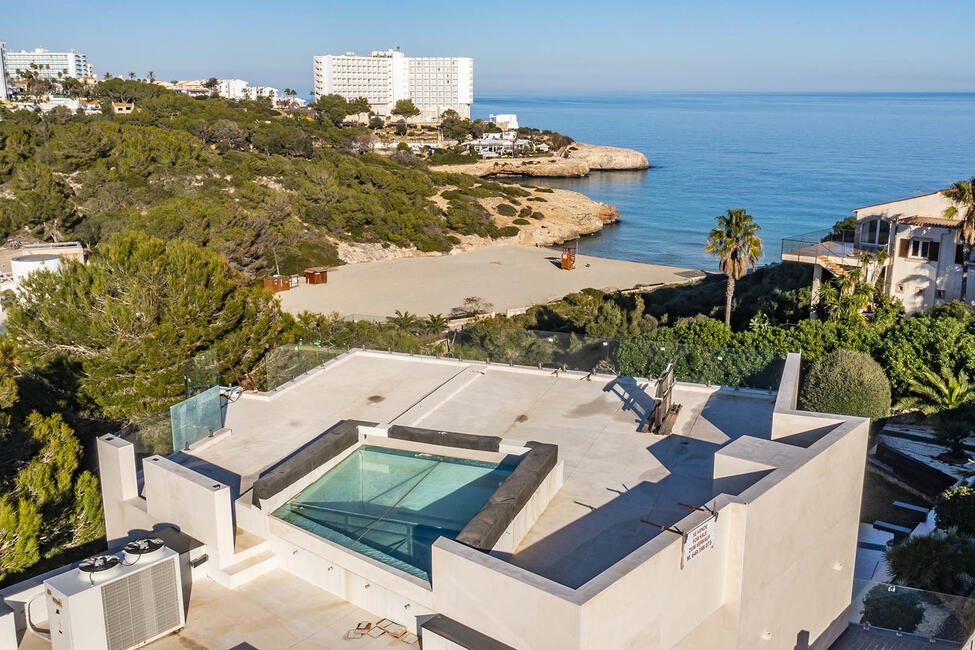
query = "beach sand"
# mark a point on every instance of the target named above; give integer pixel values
(508, 277)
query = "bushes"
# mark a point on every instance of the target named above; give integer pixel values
(932, 562)
(521, 222)
(847, 382)
(893, 609)
(955, 508)
(506, 210)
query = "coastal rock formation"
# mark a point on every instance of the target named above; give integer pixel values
(550, 166)
(579, 160)
(602, 158)
(567, 215)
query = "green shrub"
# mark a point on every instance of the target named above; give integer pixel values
(893, 609)
(955, 508)
(509, 231)
(546, 190)
(525, 212)
(537, 215)
(847, 382)
(514, 191)
(537, 199)
(521, 222)
(507, 210)
(931, 562)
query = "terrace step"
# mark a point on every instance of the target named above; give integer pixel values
(894, 528)
(911, 506)
(247, 545)
(243, 570)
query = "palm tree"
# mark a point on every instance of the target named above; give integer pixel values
(934, 392)
(962, 194)
(131, 75)
(736, 243)
(435, 323)
(404, 321)
(152, 76)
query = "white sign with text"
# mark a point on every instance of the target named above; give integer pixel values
(697, 540)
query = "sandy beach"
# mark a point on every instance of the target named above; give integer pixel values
(508, 277)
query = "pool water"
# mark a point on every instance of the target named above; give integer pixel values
(391, 505)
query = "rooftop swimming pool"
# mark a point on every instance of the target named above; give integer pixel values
(391, 504)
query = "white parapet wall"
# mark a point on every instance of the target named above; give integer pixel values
(172, 495)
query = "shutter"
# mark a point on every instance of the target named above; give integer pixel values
(905, 247)
(934, 249)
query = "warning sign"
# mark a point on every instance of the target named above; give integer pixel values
(697, 540)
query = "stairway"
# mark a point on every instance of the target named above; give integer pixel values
(831, 266)
(252, 558)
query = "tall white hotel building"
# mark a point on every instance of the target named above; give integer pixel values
(47, 65)
(435, 84)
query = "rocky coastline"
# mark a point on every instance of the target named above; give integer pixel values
(577, 161)
(566, 215)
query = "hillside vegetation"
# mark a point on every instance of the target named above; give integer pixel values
(266, 190)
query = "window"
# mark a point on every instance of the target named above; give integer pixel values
(959, 254)
(920, 249)
(874, 232)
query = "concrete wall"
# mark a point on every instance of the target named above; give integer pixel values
(195, 504)
(505, 602)
(801, 532)
(173, 494)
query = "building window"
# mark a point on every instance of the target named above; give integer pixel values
(874, 232)
(920, 249)
(959, 254)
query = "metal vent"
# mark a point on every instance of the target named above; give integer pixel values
(141, 606)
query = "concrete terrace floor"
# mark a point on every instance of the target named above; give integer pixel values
(613, 476)
(508, 277)
(274, 611)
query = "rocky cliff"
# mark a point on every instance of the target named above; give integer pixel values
(600, 158)
(578, 161)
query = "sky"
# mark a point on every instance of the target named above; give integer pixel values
(568, 46)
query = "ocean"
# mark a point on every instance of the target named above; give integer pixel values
(795, 162)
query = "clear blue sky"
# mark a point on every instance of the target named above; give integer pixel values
(570, 45)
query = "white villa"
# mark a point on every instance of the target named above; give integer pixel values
(463, 504)
(924, 254)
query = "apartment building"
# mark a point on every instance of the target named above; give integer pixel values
(4, 93)
(434, 84)
(921, 264)
(46, 64)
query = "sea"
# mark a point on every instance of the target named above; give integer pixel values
(796, 162)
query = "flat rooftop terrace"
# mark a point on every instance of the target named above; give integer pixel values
(614, 475)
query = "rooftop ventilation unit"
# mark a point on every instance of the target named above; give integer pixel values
(113, 602)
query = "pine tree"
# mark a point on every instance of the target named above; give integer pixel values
(138, 310)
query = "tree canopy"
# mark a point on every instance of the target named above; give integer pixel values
(130, 317)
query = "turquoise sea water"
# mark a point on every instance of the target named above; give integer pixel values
(796, 162)
(391, 505)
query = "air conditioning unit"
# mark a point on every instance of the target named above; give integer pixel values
(117, 602)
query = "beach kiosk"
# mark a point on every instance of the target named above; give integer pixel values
(569, 257)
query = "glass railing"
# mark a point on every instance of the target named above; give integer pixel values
(636, 357)
(196, 418)
(835, 242)
(151, 435)
(932, 616)
(284, 363)
(201, 413)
